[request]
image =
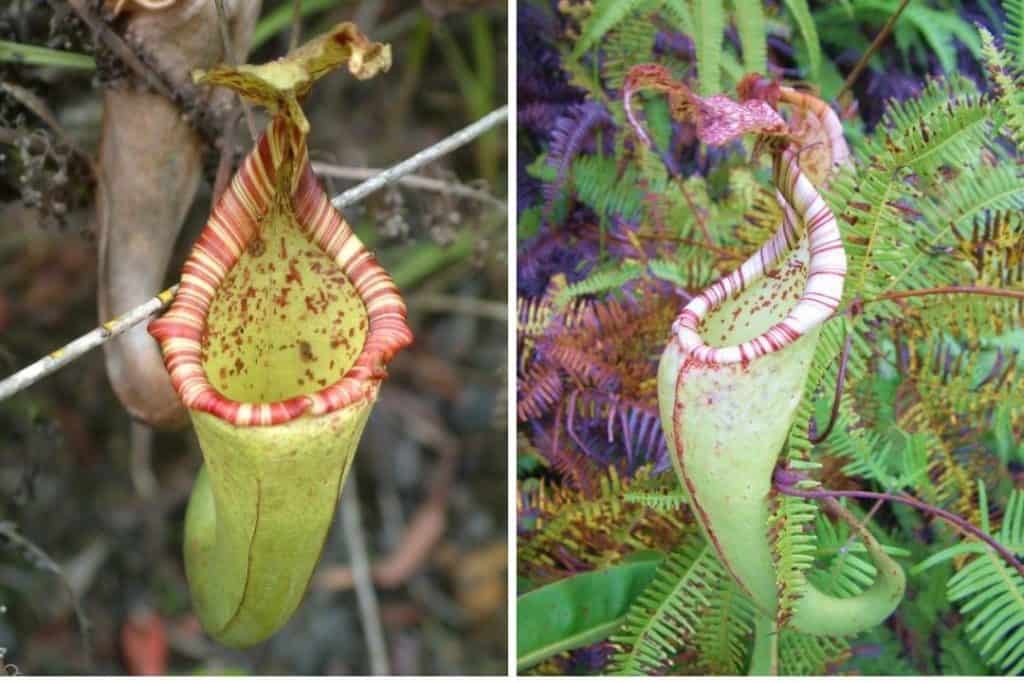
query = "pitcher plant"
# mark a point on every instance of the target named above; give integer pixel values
(733, 373)
(276, 343)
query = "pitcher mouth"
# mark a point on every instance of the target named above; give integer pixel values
(233, 224)
(823, 287)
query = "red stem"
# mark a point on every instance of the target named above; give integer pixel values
(784, 481)
(952, 289)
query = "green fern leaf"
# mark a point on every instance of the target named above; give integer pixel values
(750, 26)
(1015, 30)
(805, 655)
(709, 34)
(793, 547)
(1007, 84)
(805, 22)
(663, 501)
(601, 281)
(606, 14)
(726, 630)
(679, 14)
(846, 569)
(990, 594)
(598, 185)
(963, 200)
(664, 619)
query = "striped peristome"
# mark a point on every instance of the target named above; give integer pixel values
(824, 286)
(279, 158)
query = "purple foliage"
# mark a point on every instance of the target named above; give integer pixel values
(571, 135)
(590, 658)
(540, 76)
(553, 252)
(674, 44)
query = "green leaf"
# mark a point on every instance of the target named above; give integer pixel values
(1015, 30)
(802, 16)
(663, 620)
(580, 610)
(750, 25)
(34, 55)
(280, 18)
(710, 25)
(606, 14)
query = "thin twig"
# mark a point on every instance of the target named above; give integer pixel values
(57, 359)
(784, 483)
(414, 181)
(49, 364)
(709, 243)
(40, 559)
(952, 289)
(37, 106)
(206, 122)
(366, 595)
(419, 538)
(420, 159)
(227, 158)
(840, 381)
(851, 78)
(229, 58)
(119, 47)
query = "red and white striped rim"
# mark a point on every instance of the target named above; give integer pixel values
(232, 223)
(822, 292)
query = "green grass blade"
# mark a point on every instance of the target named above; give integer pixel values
(34, 55)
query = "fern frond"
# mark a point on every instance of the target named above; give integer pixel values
(847, 571)
(991, 597)
(605, 15)
(594, 528)
(801, 14)
(679, 14)
(533, 316)
(601, 281)
(665, 495)
(750, 26)
(537, 391)
(631, 425)
(999, 188)
(598, 185)
(633, 35)
(726, 630)
(1007, 82)
(663, 620)
(571, 132)
(792, 549)
(1015, 31)
(895, 462)
(936, 94)
(948, 135)
(708, 36)
(806, 655)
